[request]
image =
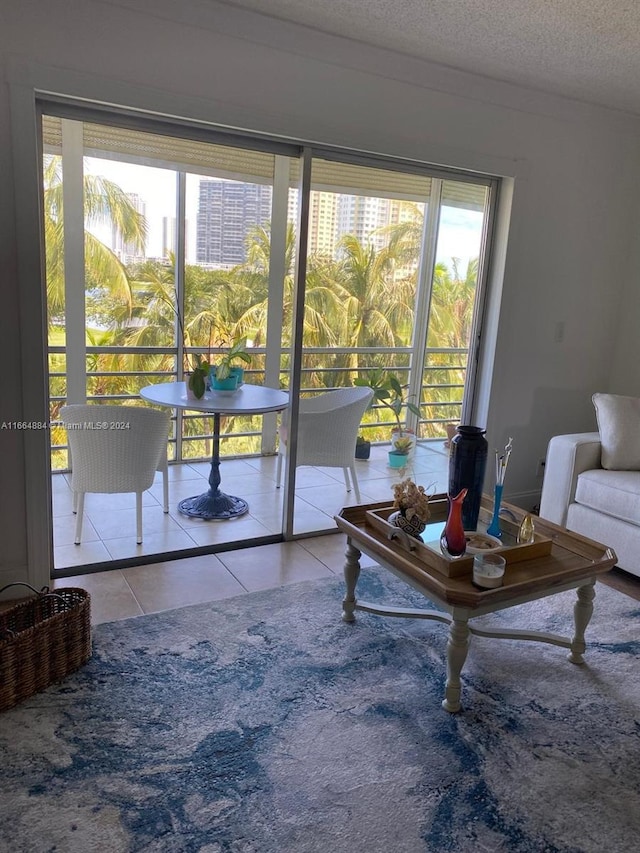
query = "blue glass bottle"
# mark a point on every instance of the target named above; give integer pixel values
(494, 527)
(467, 466)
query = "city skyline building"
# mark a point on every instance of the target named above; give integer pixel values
(168, 235)
(334, 214)
(362, 216)
(127, 252)
(323, 210)
(227, 213)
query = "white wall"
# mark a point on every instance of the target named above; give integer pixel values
(572, 244)
(625, 370)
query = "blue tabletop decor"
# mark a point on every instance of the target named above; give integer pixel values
(502, 460)
(467, 464)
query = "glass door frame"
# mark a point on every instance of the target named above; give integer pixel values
(428, 259)
(305, 154)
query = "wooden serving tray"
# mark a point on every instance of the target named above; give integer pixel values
(429, 553)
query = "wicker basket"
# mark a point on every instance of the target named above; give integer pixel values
(42, 640)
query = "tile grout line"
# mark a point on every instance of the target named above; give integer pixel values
(133, 595)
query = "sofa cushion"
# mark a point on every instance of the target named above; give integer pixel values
(619, 425)
(623, 538)
(614, 493)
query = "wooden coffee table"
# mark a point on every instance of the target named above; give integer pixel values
(558, 560)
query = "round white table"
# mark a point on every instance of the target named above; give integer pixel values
(247, 400)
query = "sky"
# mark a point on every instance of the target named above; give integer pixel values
(459, 235)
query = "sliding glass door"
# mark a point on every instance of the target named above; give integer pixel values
(164, 246)
(392, 295)
(159, 252)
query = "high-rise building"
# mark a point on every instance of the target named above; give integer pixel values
(227, 212)
(362, 216)
(168, 236)
(323, 208)
(332, 214)
(128, 252)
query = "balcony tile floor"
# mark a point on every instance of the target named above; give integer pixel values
(109, 520)
(109, 533)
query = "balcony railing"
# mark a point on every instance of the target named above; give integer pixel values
(323, 369)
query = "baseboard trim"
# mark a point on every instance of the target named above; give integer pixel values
(525, 500)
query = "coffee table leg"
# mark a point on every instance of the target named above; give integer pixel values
(457, 648)
(582, 611)
(351, 575)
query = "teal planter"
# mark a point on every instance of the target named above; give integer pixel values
(229, 384)
(239, 373)
(397, 460)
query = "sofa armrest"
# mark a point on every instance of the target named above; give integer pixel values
(567, 457)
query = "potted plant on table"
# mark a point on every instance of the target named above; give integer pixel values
(196, 377)
(195, 366)
(225, 376)
(388, 391)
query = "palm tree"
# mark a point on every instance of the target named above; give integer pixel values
(214, 303)
(376, 303)
(322, 298)
(356, 300)
(452, 305)
(450, 324)
(104, 202)
(108, 363)
(406, 236)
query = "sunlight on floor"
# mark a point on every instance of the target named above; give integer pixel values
(109, 532)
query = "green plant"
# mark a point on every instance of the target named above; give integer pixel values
(198, 377)
(237, 352)
(195, 366)
(363, 447)
(387, 390)
(403, 444)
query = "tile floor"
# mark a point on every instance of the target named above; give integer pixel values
(109, 520)
(124, 593)
(109, 533)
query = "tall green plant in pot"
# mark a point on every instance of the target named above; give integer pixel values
(195, 368)
(388, 390)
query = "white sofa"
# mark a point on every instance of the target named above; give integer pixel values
(581, 495)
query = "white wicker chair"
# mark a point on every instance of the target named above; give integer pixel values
(109, 460)
(327, 432)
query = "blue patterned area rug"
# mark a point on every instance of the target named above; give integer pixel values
(264, 724)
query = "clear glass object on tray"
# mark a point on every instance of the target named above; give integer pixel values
(527, 531)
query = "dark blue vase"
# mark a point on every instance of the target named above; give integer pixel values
(467, 465)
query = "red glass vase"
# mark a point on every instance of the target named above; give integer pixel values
(453, 541)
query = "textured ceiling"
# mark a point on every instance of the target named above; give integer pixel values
(586, 49)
